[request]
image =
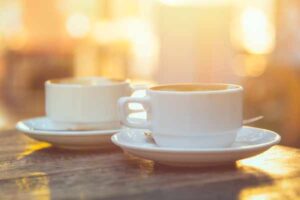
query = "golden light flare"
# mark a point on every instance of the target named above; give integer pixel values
(280, 189)
(37, 184)
(257, 31)
(32, 148)
(134, 34)
(277, 166)
(19, 41)
(78, 25)
(194, 2)
(250, 65)
(145, 48)
(268, 163)
(105, 32)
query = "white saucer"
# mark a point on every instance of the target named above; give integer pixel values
(250, 141)
(42, 129)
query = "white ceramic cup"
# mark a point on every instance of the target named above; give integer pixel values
(189, 115)
(85, 103)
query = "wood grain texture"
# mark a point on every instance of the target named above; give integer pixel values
(35, 170)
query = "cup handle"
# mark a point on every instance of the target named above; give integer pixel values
(135, 88)
(125, 111)
(138, 87)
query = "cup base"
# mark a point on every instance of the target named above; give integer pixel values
(222, 140)
(85, 126)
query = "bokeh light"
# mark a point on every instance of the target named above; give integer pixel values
(78, 25)
(257, 31)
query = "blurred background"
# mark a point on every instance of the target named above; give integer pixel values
(249, 42)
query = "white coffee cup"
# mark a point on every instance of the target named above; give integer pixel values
(189, 115)
(85, 103)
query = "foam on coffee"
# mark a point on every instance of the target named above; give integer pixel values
(194, 87)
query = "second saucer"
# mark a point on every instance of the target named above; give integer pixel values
(42, 129)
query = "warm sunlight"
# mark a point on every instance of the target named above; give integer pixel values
(273, 169)
(31, 148)
(280, 189)
(78, 25)
(193, 2)
(257, 32)
(136, 35)
(150, 99)
(251, 65)
(38, 185)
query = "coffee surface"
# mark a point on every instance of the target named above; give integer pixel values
(85, 81)
(194, 87)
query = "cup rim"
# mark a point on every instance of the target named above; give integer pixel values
(56, 82)
(235, 88)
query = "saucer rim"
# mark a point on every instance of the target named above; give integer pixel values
(126, 145)
(23, 127)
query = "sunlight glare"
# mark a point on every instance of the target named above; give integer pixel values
(194, 2)
(257, 31)
(78, 25)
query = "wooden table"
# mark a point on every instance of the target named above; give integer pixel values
(35, 170)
